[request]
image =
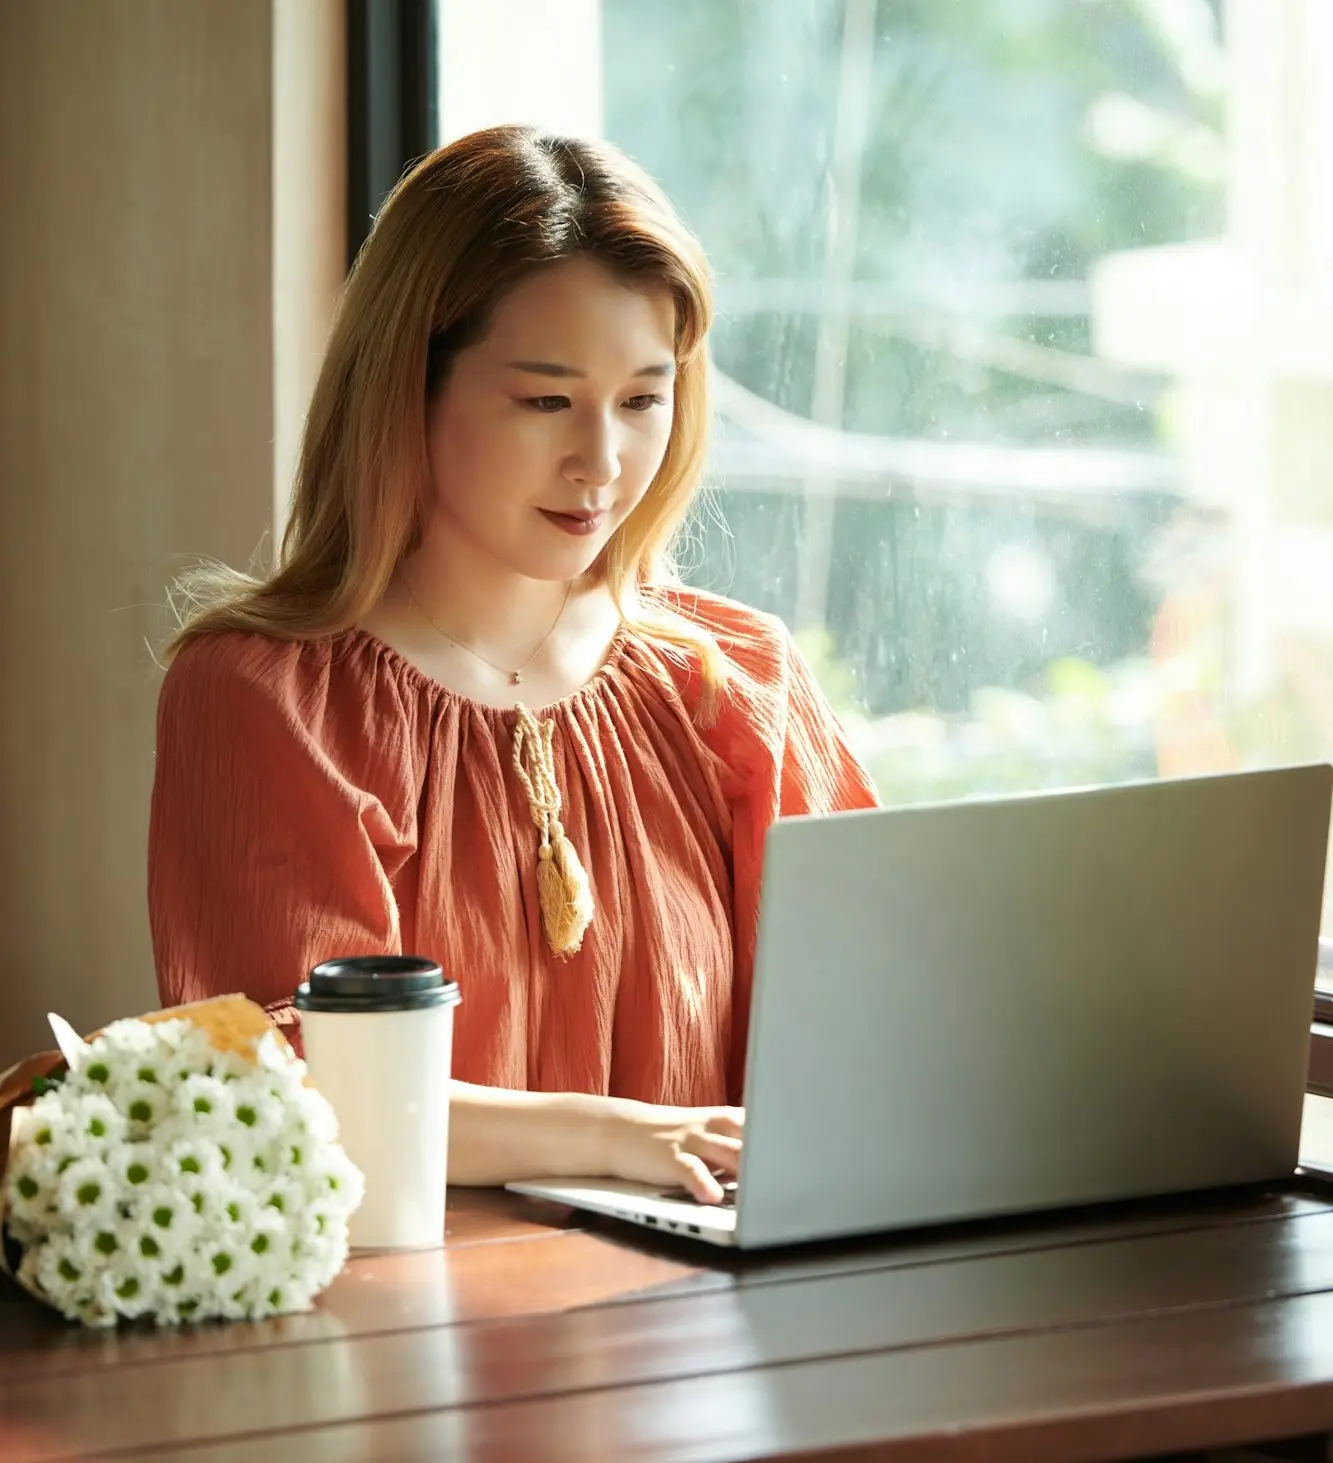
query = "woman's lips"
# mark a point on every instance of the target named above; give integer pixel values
(579, 525)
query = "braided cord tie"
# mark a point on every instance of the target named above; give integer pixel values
(562, 882)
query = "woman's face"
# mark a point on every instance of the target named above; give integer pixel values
(549, 430)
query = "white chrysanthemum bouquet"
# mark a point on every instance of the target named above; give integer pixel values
(181, 1169)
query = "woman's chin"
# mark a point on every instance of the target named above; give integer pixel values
(567, 562)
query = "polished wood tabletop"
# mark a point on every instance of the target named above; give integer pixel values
(1124, 1332)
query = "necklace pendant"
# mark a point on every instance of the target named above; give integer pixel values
(515, 679)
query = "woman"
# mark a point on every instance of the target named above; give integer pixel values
(507, 431)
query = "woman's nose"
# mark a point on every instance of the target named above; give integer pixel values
(595, 459)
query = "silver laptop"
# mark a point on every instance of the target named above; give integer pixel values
(983, 1008)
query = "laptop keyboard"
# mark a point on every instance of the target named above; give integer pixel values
(684, 1196)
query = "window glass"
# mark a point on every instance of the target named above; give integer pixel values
(1024, 357)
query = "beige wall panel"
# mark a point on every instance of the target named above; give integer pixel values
(137, 422)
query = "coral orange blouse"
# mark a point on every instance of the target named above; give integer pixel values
(327, 798)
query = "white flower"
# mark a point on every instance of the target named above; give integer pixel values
(93, 1246)
(266, 1238)
(232, 1067)
(144, 1103)
(194, 1162)
(57, 1274)
(332, 1179)
(129, 1039)
(190, 1054)
(133, 1167)
(93, 1074)
(238, 1212)
(148, 1245)
(236, 1156)
(258, 1112)
(32, 1192)
(285, 1197)
(313, 1112)
(319, 1255)
(156, 1061)
(92, 1311)
(167, 1217)
(86, 1193)
(38, 1123)
(98, 1121)
(179, 1285)
(226, 1266)
(259, 1164)
(49, 1125)
(207, 1102)
(50, 1272)
(129, 1286)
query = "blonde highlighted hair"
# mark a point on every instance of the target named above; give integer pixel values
(458, 232)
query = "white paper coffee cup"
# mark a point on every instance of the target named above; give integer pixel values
(378, 1034)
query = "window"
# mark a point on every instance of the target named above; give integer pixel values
(1025, 357)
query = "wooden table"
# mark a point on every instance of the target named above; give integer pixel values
(543, 1338)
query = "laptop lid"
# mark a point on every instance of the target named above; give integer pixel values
(987, 1007)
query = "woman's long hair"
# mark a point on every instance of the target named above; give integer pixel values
(458, 232)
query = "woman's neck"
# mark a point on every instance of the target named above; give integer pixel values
(495, 637)
(478, 601)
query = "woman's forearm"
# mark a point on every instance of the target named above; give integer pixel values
(496, 1135)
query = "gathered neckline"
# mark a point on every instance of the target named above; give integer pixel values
(423, 681)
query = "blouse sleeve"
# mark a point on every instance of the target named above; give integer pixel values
(819, 772)
(266, 852)
(785, 753)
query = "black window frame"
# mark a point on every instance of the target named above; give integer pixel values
(392, 116)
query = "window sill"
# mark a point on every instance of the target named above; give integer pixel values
(1320, 1080)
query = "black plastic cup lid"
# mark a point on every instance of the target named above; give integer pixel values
(368, 984)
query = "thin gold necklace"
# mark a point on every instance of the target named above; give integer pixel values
(515, 675)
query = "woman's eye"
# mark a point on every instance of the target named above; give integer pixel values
(547, 403)
(645, 403)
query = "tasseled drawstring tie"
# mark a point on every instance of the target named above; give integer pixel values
(562, 881)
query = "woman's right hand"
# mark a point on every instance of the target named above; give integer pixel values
(497, 1135)
(675, 1147)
